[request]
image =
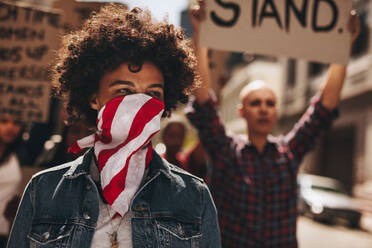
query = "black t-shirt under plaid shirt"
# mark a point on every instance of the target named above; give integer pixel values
(256, 194)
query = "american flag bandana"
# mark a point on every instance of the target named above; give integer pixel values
(122, 145)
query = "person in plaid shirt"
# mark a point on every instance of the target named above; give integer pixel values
(254, 183)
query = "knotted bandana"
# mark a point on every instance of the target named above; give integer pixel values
(122, 145)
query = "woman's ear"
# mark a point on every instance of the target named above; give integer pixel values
(94, 103)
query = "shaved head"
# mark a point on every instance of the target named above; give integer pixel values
(252, 86)
(258, 107)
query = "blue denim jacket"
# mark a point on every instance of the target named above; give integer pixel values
(60, 208)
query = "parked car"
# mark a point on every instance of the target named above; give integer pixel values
(324, 199)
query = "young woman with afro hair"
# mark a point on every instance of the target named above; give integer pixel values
(121, 72)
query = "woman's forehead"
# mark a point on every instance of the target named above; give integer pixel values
(263, 92)
(147, 71)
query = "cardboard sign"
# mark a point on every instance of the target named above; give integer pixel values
(315, 30)
(28, 38)
(75, 12)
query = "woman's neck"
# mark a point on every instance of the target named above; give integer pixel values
(258, 140)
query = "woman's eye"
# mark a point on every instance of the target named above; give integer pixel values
(154, 94)
(124, 91)
(255, 103)
(271, 103)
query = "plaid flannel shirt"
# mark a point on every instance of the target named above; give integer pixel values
(256, 194)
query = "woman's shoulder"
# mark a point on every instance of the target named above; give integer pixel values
(59, 169)
(184, 180)
(181, 172)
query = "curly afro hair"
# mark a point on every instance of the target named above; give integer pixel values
(111, 37)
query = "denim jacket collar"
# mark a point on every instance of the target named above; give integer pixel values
(79, 168)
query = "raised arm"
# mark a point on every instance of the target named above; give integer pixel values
(331, 91)
(197, 14)
(320, 114)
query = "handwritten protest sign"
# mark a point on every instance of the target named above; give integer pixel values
(315, 30)
(75, 12)
(28, 39)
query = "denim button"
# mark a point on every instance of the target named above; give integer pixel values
(88, 187)
(46, 235)
(86, 216)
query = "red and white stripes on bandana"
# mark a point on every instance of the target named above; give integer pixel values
(122, 145)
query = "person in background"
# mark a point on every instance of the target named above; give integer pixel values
(10, 172)
(254, 184)
(173, 137)
(58, 153)
(194, 160)
(121, 73)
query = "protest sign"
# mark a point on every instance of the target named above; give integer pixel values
(315, 30)
(75, 12)
(28, 39)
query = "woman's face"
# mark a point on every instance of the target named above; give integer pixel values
(173, 137)
(258, 108)
(125, 81)
(9, 129)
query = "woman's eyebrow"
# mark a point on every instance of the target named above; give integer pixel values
(156, 86)
(119, 82)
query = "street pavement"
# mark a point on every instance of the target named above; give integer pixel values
(312, 234)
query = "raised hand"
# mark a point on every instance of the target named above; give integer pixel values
(197, 15)
(354, 26)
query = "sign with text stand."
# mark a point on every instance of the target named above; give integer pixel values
(29, 38)
(315, 30)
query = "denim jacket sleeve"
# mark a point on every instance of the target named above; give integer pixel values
(23, 221)
(210, 229)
